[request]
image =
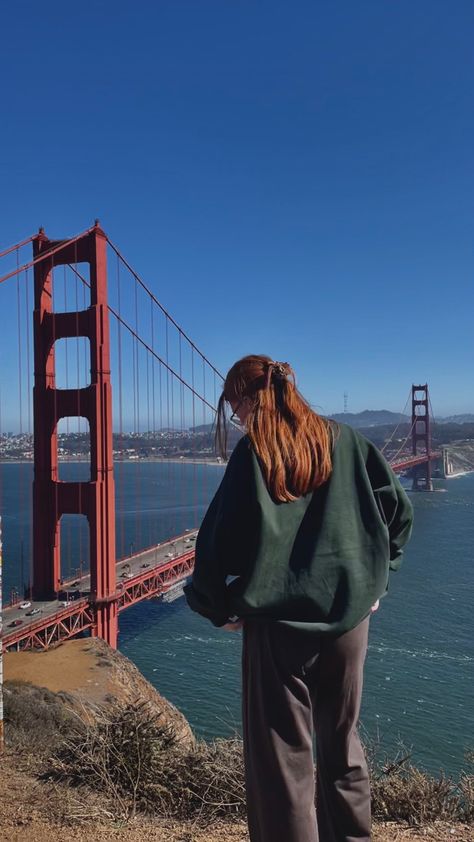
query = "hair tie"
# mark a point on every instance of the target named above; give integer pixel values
(279, 370)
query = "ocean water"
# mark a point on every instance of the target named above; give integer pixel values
(419, 678)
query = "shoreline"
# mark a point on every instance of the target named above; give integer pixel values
(177, 461)
(184, 461)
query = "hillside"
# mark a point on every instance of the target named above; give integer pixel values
(371, 418)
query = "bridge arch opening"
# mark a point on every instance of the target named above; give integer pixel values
(71, 287)
(72, 363)
(420, 425)
(74, 449)
(74, 543)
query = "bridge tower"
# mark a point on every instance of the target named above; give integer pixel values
(421, 437)
(51, 497)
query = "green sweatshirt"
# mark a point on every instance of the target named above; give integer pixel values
(319, 562)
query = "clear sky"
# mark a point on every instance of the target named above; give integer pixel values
(291, 178)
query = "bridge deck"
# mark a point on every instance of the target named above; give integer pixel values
(142, 575)
(412, 461)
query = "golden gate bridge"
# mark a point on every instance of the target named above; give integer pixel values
(84, 316)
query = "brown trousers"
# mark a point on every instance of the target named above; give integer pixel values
(295, 681)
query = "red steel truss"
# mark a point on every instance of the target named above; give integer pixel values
(415, 460)
(44, 633)
(81, 615)
(156, 581)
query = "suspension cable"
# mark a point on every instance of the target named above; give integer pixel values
(46, 254)
(396, 428)
(148, 347)
(163, 309)
(392, 461)
(19, 245)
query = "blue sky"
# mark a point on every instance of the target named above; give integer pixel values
(290, 178)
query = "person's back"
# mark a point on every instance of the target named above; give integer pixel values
(307, 522)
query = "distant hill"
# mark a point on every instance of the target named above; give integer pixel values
(202, 428)
(468, 418)
(371, 418)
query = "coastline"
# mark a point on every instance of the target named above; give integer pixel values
(145, 459)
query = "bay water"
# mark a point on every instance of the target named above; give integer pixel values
(419, 678)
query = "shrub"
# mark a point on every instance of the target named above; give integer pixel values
(136, 760)
(35, 718)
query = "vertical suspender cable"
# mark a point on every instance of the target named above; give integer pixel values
(138, 467)
(156, 466)
(168, 426)
(55, 393)
(195, 495)
(161, 402)
(204, 410)
(174, 468)
(21, 484)
(28, 386)
(20, 385)
(69, 443)
(148, 438)
(120, 397)
(181, 467)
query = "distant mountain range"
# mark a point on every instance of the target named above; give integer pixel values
(382, 417)
(468, 418)
(372, 418)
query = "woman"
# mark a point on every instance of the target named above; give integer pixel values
(308, 520)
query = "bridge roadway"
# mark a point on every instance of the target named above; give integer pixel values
(411, 461)
(128, 569)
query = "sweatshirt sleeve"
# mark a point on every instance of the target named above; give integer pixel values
(219, 538)
(392, 501)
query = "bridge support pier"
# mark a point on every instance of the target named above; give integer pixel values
(51, 497)
(421, 437)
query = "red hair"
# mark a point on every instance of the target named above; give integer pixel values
(293, 443)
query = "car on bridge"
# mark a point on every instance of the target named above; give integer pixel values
(15, 623)
(33, 612)
(24, 605)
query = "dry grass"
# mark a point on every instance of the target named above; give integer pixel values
(403, 793)
(138, 763)
(140, 766)
(123, 774)
(33, 811)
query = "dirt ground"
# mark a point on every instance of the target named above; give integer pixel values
(72, 668)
